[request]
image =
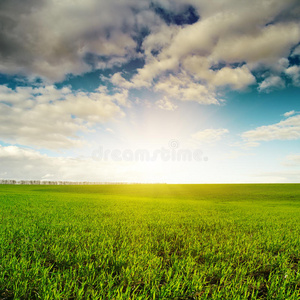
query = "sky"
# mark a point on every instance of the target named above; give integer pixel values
(181, 91)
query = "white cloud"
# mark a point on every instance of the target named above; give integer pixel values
(110, 130)
(166, 104)
(209, 135)
(155, 67)
(184, 88)
(226, 33)
(21, 163)
(280, 66)
(289, 113)
(118, 80)
(294, 73)
(292, 160)
(288, 129)
(264, 45)
(238, 78)
(272, 82)
(48, 117)
(159, 39)
(50, 39)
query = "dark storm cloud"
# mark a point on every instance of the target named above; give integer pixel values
(51, 39)
(11, 41)
(186, 15)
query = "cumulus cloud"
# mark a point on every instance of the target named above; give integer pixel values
(47, 117)
(237, 78)
(118, 80)
(209, 135)
(160, 38)
(166, 104)
(280, 66)
(294, 73)
(288, 129)
(252, 35)
(270, 83)
(265, 45)
(50, 38)
(184, 88)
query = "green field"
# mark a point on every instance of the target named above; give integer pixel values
(150, 242)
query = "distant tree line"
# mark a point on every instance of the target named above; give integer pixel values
(44, 182)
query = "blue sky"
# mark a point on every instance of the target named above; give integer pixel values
(150, 91)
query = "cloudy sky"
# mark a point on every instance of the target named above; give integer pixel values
(150, 91)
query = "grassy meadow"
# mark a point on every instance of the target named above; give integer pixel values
(150, 242)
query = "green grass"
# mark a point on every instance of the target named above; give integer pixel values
(150, 242)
